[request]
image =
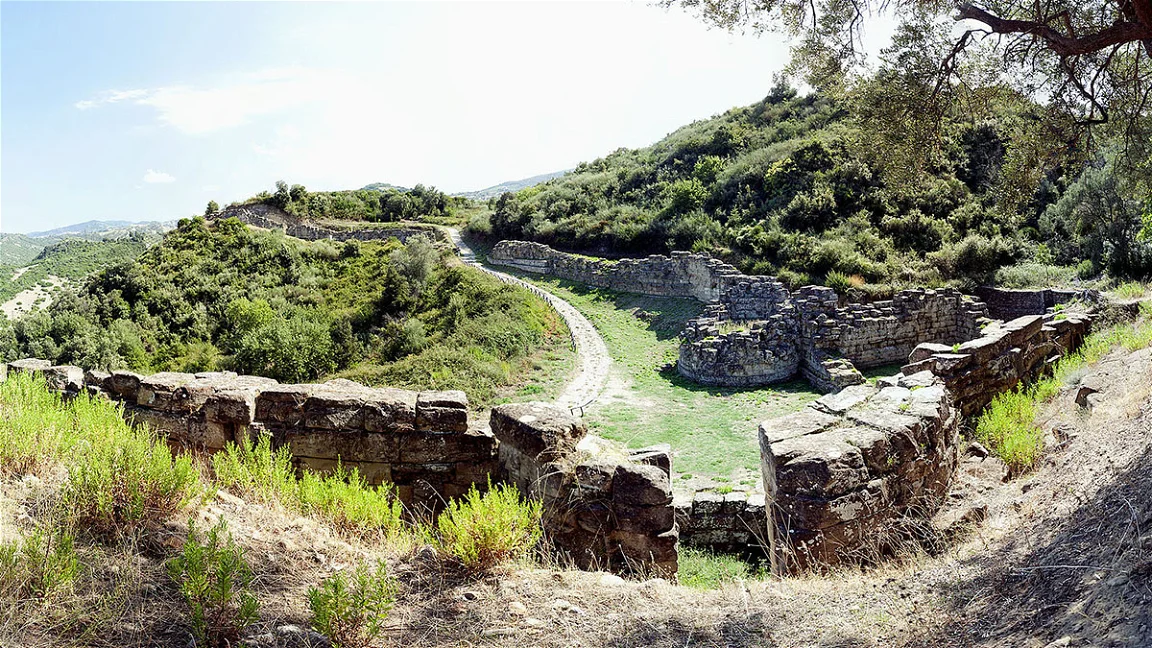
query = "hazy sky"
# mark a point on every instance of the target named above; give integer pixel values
(147, 110)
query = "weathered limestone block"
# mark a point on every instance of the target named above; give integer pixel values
(837, 473)
(602, 509)
(445, 411)
(538, 430)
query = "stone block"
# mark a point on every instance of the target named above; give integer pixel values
(641, 485)
(538, 430)
(445, 411)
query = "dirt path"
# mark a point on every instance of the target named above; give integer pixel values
(593, 361)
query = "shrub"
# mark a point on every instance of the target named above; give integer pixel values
(480, 531)
(255, 470)
(1129, 290)
(39, 565)
(121, 477)
(349, 608)
(1008, 427)
(216, 582)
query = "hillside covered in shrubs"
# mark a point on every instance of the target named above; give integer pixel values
(795, 186)
(223, 296)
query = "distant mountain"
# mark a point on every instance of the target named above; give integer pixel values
(510, 186)
(18, 249)
(96, 230)
(384, 186)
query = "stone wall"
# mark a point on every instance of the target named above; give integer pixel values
(733, 522)
(811, 334)
(842, 475)
(682, 274)
(604, 507)
(272, 218)
(766, 352)
(419, 441)
(1009, 304)
(1001, 358)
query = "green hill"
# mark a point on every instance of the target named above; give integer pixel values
(223, 296)
(67, 262)
(794, 186)
(18, 249)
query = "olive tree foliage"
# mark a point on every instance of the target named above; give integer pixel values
(1088, 62)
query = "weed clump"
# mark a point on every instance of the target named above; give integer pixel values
(216, 582)
(481, 531)
(39, 565)
(349, 608)
(343, 498)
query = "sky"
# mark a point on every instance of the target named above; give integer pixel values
(148, 110)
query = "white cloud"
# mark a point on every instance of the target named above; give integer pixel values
(200, 110)
(110, 97)
(158, 177)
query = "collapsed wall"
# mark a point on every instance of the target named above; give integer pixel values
(604, 507)
(840, 475)
(845, 477)
(271, 218)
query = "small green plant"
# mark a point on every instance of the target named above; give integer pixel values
(39, 565)
(350, 608)
(725, 489)
(1009, 429)
(956, 348)
(702, 569)
(480, 531)
(216, 582)
(255, 471)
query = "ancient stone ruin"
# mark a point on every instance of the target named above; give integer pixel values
(855, 471)
(606, 507)
(272, 218)
(755, 331)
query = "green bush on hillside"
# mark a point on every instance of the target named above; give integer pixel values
(222, 296)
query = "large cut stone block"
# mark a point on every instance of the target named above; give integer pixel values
(641, 485)
(538, 430)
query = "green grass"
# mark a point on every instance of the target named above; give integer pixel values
(342, 498)
(701, 569)
(1008, 425)
(712, 430)
(1130, 290)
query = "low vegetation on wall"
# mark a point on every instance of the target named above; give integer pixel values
(223, 296)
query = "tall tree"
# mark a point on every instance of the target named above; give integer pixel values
(1089, 60)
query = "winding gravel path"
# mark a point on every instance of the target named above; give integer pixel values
(593, 360)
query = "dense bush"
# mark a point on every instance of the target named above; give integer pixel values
(222, 296)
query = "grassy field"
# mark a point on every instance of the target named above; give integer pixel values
(712, 430)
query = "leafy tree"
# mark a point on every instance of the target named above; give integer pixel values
(212, 209)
